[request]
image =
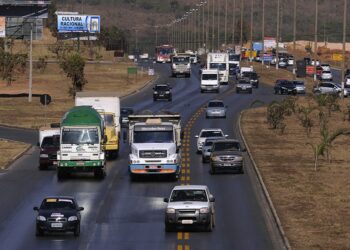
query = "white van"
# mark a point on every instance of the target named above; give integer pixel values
(210, 80)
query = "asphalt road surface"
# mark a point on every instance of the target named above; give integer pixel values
(120, 214)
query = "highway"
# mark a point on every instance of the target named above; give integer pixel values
(120, 214)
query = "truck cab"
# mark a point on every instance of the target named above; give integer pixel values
(154, 145)
(181, 65)
(219, 61)
(210, 80)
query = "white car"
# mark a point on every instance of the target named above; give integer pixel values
(290, 61)
(326, 76)
(326, 67)
(208, 133)
(317, 62)
(347, 81)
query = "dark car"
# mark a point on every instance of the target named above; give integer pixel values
(253, 78)
(347, 72)
(58, 214)
(226, 155)
(48, 151)
(124, 115)
(162, 91)
(285, 87)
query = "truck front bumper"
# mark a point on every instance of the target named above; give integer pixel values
(111, 147)
(154, 169)
(83, 165)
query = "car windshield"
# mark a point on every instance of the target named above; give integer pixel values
(188, 195)
(211, 134)
(181, 59)
(153, 137)
(208, 143)
(298, 83)
(326, 72)
(220, 66)
(109, 121)
(216, 105)
(251, 75)
(51, 141)
(226, 146)
(165, 51)
(54, 203)
(80, 136)
(209, 76)
(161, 87)
(287, 84)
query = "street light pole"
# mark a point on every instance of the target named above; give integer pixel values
(225, 22)
(278, 33)
(208, 25)
(263, 33)
(251, 30)
(241, 38)
(30, 64)
(344, 47)
(212, 29)
(233, 22)
(294, 25)
(218, 12)
(316, 30)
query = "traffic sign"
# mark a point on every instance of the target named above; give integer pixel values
(45, 99)
(337, 57)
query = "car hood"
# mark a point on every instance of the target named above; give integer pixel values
(57, 213)
(188, 205)
(231, 153)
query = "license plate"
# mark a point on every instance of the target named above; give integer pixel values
(153, 167)
(56, 225)
(243, 87)
(226, 165)
(187, 222)
(80, 163)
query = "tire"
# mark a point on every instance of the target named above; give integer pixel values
(250, 91)
(99, 174)
(212, 170)
(61, 174)
(77, 230)
(280, 92)
(203, 160)
(209, 227)
(38, 232)
(170, 99)
(241, 171)
(154, 99)
(218, 91)
(43, 167)
(202, 91)
(134, 177)
(237, 91)
(169, 227)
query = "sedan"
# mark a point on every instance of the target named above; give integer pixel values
(300, 87)
(285, 87)
(330, 88)
(216, 108)
(162, 91)
(244, 84)
(58, 214)
(326, 67)
(206, 134)
(326, 76)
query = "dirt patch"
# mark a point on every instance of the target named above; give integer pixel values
(314, 206)
(9, 150)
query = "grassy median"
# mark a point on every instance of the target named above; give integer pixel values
(9, 150)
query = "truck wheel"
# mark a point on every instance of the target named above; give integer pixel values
(77, 230)
(250, 91)
(169, 227)
(218, 91)
(43, 167)
(209, 227)
(99, 174)
(134, 177)
(38, 231)
(212, 170)
(61, 174)
(202, 91)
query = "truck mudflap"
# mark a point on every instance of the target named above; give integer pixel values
(81, 164)
(154, 169)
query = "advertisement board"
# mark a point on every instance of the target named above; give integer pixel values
(2, 26)
(78, 23)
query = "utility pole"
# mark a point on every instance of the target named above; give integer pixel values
(30, 64)
(213, 26)
(263, 33)
(233, 22)
(316, 30)
(156, 35)
(203, 26)
(251, 30)
(225, 22)
(208, 26)
(344, 44)
(294, 25)
(218, 23)
(241, 38)
(278, 32)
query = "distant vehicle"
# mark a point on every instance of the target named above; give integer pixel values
(124, 116)
(210, 80)
(242, 70)
(208, 133)
(347, 72)
(216, 109)
(330, 88)
(162, 92)
(313, 62)
(181, 65)
(233, 63)
(326, 76)
(206, 148)
(282, 63)
(219, 61)
(285, 87)
(307, 60)
(226, 155)
(290, 61)
(347, 80)
(253, 78)
(190, 205)
(58, 214)
(300, 87)
(325, 67)
(245, 85)
(49, 144)
(163, 53)
(194, 58)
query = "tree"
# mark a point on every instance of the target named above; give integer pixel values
(10, 64)
(73, 65)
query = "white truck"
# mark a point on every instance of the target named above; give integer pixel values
(181, 65)
(234, 63)
(108, 105)
(219, 61)
(155, 141)
(210, 80)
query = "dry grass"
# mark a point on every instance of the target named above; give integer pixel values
(314, 207)
(8, 150)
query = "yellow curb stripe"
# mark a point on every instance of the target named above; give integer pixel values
(187, 236)
(179, 235)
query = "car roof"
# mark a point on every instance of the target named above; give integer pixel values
(227, 140)
(187, 187)
(216, 100)
(211, 129)
(162, 84)
(60, 197)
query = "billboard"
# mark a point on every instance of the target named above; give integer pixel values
(2, 26)
(78, 23)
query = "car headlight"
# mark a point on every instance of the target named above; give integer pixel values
(41, 218)
(155, 92)
(167, 92)
(204, 210)
(170, 211)
(72, 218)
(44, 155)
(215, 158)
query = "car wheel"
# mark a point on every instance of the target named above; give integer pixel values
(61, 174)
(241, 171)
(212, 170)
(39, 232)
(43, 167)
(99, 174)
(169, 227)
(237, 91)
(134, 177)
(77, 230)
(203, 160)
(202, 91)
(154, 99)
(170, 99)
(218, 91)
(209, 227)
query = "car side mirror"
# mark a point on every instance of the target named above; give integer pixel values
(166, 200)
(212, 199)
(35, 208)
(80, 209)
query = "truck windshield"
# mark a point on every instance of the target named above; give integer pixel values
(188, 195)
(108, 118)
(233, 57)
(220, 66)
(153, 137)
(80, 136)
(181, 60)
(209, 76)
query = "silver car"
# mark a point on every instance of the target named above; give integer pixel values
(208, 133)
(206, 148)
(216, 108)
(300, 87)
(191, 205)
(330, 88)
